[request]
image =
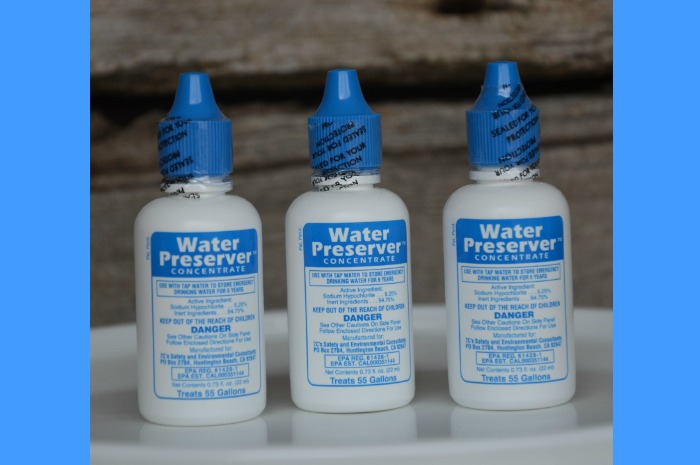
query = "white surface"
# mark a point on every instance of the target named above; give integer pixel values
(431, 430)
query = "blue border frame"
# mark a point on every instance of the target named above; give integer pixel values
(45, 121)
(655, 209)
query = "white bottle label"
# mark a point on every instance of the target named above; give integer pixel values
(206, 314)
(357, 303)
(512, 303)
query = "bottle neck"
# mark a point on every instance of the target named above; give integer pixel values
(196, 187)
(322, 181)
(505, 173)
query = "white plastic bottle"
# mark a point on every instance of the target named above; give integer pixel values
(507, 246)
(199, 299)
(348, 267)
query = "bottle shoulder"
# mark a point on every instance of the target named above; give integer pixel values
(507, 200)
(180, 213)
(360, 205)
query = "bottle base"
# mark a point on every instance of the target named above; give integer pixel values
(503, 403)
(312, 404)
(197, 416)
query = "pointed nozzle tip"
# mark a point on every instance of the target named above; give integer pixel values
(342, 95)
(502, 75)
(194, 99)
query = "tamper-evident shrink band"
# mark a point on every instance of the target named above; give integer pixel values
(345, 142)
(195, 148)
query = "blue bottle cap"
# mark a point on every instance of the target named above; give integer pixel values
(194, 139)
(503, 126)
(344, 133)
